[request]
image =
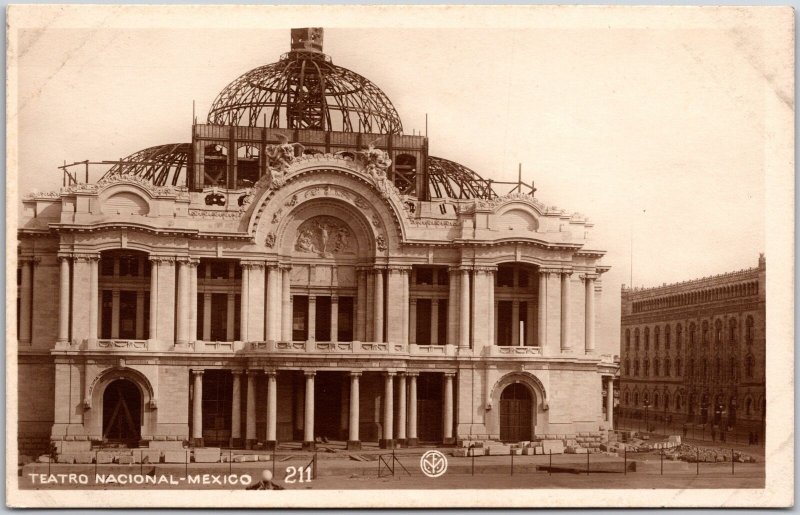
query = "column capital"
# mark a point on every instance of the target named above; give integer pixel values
(589, 276)
(334, 299)
(398, 268)
(168, 260)
(252, 372)
(487, 269)
(412, 373)
(198, 371)
(237, 371)
(434, 302)
(183, 260)
(549, 270)
(34, 260)
(86, 257)
(309, 373)
(450, 374)
(413, 301)
(285, 267)
(272, 265)
(64, 256)
(356, 373)
(193, 262)
(389, 374)
(567, 271)
(252, 264)
(270, 371)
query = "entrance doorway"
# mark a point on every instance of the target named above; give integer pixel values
(122, 413)
(217, 406)
(516, 413)
(329, 423)
(429, 407)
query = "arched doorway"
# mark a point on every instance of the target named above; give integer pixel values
(122, 413)
(516, 413)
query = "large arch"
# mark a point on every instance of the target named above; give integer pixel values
(93, 402)
(539, 401)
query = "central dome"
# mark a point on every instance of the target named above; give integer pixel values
(305, 90)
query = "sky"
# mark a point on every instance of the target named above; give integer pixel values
(655, 131)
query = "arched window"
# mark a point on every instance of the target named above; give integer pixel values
(646, 339)
(678, 367)
(657, 337)
(733, 367)
(627, 398)
(647, 368)
(636, 339)
(655, 400)
(667, 370)
(627, 340)
(666, 337)
(732, 330)
(748, 406)
(678, 402)
(666, 400)
(718, 332)
(636, 367)
(704, 334)
(636, 399)
(692, 334)
(656, 367)
(750, 365)
(718, 368)
(705, 368)
(691, 368)
(627, 367)
(749, 330)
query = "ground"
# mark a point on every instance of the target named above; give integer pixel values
(337, 470)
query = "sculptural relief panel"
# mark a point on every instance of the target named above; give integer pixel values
(324, 236)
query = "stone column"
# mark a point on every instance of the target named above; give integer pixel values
(490, 329)
(448, 408)
(404, 275)
(273, 303)
(515, 323)
(541, 322)
(312, 318)
(191, 333)
(308, 423)
(286, 305)
(182, 313)
(94, 298)
(553, 311)
(353, 441)
(206, 317)
(463, 326)
(566, 344)
(589, 329)
(244, 334)
(230, 322)
(63, 301)
(412, 322)
(236, 409)
(387, 442)
(26, 303)
(434, 321)
(396, 313)
(378, 309)
(197, 409)
(453, 321)
(610, 402)
(115, 293)
(250, 416)
(254, 287)
(530, 335)
(334, 318)
(139, 315)
(361, 305)
(412, 409)
(154, 311)
(401, 410)
(272, 409)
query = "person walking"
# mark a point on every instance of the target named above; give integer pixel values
(265, 483)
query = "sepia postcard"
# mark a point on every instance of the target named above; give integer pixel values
(400, 256)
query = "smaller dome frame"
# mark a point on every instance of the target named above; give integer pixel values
(162, 165)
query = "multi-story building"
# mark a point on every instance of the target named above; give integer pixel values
(693, 353)
(243, 290)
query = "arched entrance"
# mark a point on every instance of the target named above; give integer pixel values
(122, 413)
(516, 413)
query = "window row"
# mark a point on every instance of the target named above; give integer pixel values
(705, 334)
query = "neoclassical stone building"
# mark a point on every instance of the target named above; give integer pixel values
(302, 269)
(694, 352)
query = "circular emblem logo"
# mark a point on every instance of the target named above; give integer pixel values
(433, 463)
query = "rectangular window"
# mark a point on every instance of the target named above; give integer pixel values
(345, 321)
(424, 275)
(127, 314)
(105, 314)
(299, 318)
(423, 322)
(504, 324)
(442, 321)
(323, 320)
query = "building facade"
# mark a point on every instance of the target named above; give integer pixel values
(693, 353)
(299, 270)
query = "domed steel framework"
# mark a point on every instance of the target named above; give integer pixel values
(448, 179)
(162, 165)
(305, 90)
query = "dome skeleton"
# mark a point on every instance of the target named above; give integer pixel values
(304, 92)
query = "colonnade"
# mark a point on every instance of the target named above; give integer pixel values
(382, 304)
(406, 410)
